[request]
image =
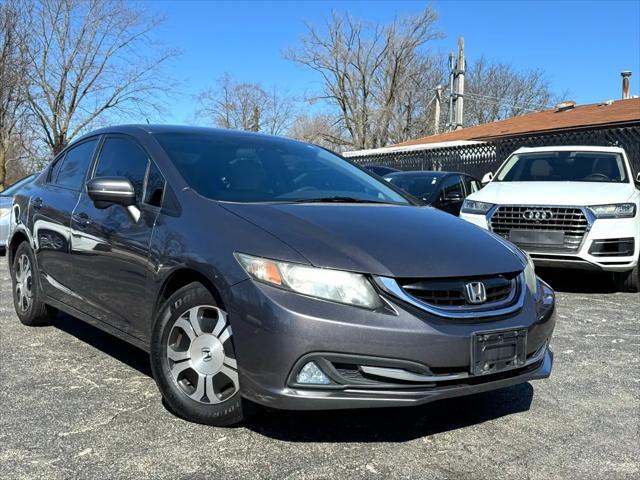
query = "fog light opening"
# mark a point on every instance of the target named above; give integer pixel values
(311, 374)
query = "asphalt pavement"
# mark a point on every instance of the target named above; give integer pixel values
(78, 403)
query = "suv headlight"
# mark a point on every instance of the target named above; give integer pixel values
(5, 211)
(530, 277)
(333, 285)
(474, 206)
(615, 210)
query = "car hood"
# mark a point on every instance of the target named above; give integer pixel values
(389, 240)
(554, 193)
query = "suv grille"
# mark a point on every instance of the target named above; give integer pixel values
(571, 222)
(451, 292)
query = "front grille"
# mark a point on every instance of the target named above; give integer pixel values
(451, 292)
(570, 221)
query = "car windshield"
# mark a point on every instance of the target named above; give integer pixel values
(252, 168)
(564, 166)
(421, 186)
(13, 189)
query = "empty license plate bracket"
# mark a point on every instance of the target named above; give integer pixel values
(497, 351)
(537, 237)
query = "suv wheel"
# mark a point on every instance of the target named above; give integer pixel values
(193, 359)
(27, 298)
(629, 281)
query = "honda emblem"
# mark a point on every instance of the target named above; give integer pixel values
(476, 292)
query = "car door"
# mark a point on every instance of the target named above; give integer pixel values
(109, 246)
(50, 209)
(451, 194)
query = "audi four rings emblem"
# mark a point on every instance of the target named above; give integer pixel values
(538, 214)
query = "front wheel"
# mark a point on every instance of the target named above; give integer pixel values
(193, 359)
(629, 281)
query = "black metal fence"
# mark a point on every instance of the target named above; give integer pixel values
(481, 158)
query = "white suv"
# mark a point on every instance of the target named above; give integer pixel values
(570, 207)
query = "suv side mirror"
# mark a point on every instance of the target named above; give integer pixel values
(453, 197)
(107, 191)
(487, 178)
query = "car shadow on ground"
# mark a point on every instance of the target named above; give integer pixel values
(577, 281)
(114, 347)
(392, 424)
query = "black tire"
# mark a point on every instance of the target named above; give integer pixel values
(629, 281)
(34, 313)
(227, 412)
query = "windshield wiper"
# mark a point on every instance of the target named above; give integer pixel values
(339, 199)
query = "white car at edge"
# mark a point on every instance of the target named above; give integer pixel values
(566, 206)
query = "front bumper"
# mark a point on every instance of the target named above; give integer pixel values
(600, 231)
(275, 331)
(4, 232)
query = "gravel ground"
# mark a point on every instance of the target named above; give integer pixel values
(77, 403)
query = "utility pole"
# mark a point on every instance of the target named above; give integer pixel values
(436, 118)
(451, 92)
(456, 88)
(460, 68)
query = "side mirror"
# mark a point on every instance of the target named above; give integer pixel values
(487, 178)
(107, 191)
(453, 197)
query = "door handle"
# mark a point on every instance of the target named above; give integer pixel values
(37, 203)
(81, 219)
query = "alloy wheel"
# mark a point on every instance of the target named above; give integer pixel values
(24, 282)
(201, 356)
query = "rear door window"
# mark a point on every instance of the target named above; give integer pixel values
(155, 186)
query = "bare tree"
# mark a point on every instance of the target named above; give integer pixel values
(88, 57)
(318, 128)
(496, 90)
(413, 113)
(246, 106)
(12, 88)
(364, 67)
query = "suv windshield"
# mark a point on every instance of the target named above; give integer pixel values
(566, 166)
(246, 168)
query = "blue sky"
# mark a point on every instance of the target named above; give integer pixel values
(582, 46)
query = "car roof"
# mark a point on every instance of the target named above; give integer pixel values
(571, 148)
(179, 129)
(422, 173)
(380, 166)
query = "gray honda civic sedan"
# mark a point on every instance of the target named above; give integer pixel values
(260, 270)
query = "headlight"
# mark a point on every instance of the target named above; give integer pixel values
(333, 285)
(5, 211)
(473, 206)
(616, 210)
(530, 277)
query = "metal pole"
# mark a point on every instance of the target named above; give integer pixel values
(436, 115)
(460, 69)
(451, 92)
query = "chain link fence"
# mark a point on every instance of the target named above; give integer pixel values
(481, 158)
